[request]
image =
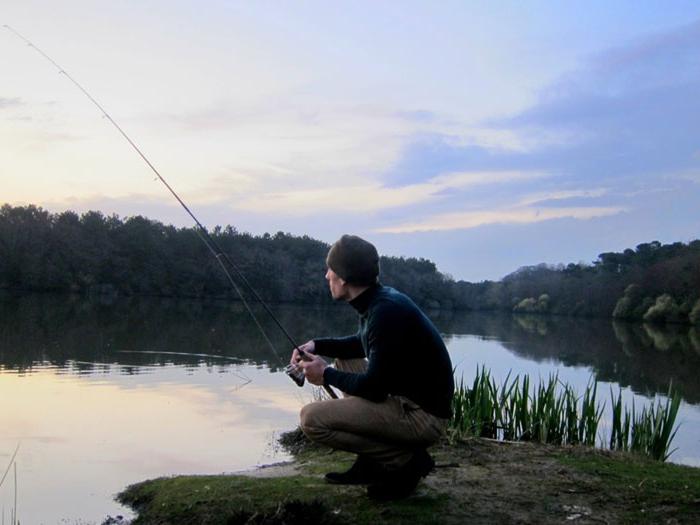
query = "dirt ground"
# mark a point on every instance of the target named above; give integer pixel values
(487, 481)
(496, 482)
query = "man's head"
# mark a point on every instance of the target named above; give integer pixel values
(352, 262)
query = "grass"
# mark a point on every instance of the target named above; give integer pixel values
(302, 497)
(553, 413)
(648, 491)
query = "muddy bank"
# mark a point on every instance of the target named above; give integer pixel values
(476, 481)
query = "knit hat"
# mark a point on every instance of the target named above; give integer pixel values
(355, 260)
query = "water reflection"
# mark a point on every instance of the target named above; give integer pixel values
(642, 356)
(57, 329)
(89, 337)
(93, 418)
(84, 438)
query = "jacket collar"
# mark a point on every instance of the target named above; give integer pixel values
(361, 302)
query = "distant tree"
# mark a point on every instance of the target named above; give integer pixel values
(626, 307)
(665, 310)
(533, 306)
(526, 305)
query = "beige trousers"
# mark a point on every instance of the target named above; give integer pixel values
(388, 431)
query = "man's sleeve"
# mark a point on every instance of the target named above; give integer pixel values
(348, 347)
(383, 340)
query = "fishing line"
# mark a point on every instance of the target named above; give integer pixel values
(237, 359)
(12, 460)
(238, 373)
(221, 257)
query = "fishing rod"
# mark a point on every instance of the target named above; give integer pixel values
(221, 257)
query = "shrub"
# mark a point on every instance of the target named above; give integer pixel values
(627, 306)
(665, 310)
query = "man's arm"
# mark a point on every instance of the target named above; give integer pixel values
(368, 384)
(384, 338)
(348, 347)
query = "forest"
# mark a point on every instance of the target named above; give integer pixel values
(96, 254)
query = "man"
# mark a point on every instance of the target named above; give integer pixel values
(395, 373)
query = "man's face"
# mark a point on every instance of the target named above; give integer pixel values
(336, 285)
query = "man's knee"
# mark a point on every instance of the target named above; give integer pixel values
(309, 421)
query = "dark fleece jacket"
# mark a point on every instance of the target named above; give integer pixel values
(407, 356)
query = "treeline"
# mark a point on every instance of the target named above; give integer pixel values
(97, 254)
(94, 253)
(654, 283)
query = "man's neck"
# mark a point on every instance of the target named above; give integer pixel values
(354, 291)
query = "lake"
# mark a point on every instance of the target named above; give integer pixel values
(98, 396)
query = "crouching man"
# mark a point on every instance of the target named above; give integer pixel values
(395, 374)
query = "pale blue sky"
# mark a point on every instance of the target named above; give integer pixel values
(483, 138)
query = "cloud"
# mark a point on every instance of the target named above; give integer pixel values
(522, 215)
(631, 111)
(480, 178)
(628, 114)
(420, 115)
(688, 175)
(373, 197)
(6, 102)
(620, 126)
(537, 198)
(128, 205)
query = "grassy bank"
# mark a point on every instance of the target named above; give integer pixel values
(477, 481)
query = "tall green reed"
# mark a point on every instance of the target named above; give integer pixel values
(649, 432)
(553, 413)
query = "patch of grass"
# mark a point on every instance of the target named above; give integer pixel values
(295, 442)
(644, 490)
(304, 498)
(225, 500)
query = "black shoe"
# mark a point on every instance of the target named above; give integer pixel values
(362, 472)
(401, 483)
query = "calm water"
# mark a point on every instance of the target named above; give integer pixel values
(93, 414)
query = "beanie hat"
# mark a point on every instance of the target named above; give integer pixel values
(355, 260)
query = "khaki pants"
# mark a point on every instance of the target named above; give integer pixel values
(387, 432)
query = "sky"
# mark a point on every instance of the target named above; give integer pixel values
(483, 137)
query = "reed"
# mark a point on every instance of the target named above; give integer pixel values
(649, 432)
(553, 413)
(591, 413)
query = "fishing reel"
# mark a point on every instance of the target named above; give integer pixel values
(296, 373)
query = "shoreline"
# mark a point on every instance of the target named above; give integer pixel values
(476, 480)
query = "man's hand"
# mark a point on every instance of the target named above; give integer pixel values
(307, 347)
(313, 369)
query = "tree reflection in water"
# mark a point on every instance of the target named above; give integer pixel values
(41, 329)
